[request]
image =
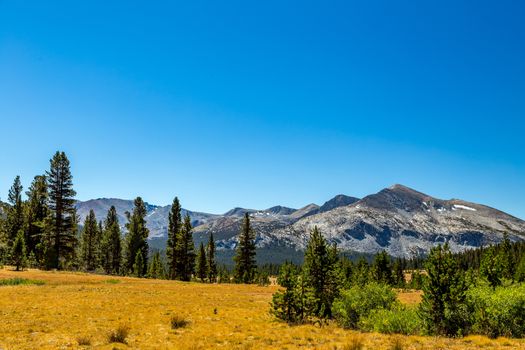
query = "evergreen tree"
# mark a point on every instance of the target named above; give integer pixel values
(136, 237)
(18, 251)
(245, 266)
(491, 267)
(285, 303)
(15, 213)
(520, 271)
(443, 306)
(382, 270)
(4, 250)
(202, 266)
(62, 224)
(155, 269)
(111, 250)
(361, 272)
(37, 211)
(416, 280)
(89, 242)
(398, 275)
(506, 257)
(223, 276)
(347, 271)
(210, 258)
(139, 265)
(321, 273)
(185, 251)
(174, 228)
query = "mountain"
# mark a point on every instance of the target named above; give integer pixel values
(405, 223)
(338, 201)
(398, 219)
(157, 216)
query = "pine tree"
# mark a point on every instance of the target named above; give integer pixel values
(321, 273)
(174, 227)
(398, 275)
(139, 265)
(18, 251)
(111, 250)
(136, 237)
(62, 224)
(185, 251)
(89, 242)
(245, 266)
(3, 235)
(15, 213)
(361, 272)
(201, 268)
(37, 211)
(285, 305)
(210, 258)
(506, 257)
(155, 269)
(520, 271)
(443, 306)
(382, 270)
(491, 267)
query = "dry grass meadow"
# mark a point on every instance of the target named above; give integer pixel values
(79, 311)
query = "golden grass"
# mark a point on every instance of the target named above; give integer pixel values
(409, 297)
(73, 307)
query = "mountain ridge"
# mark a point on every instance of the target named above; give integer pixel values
(398, 219)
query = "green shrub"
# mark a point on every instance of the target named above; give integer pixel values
(498, 312)
(357, 302)
(19, 281)
(398, 320)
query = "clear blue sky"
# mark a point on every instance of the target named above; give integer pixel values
(267, 102)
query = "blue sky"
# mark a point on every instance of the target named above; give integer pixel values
(260, 103)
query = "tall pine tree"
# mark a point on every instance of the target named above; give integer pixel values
(111, 251)
(174, 227)
(37, 211)
(156, 269)
(185, 251)
(321, 273)
(62, 226)
(382, 269)
(202, 266)
(210, 259)
(18, 252)
(90, 240)
(245, 266)
(136, 238)
(443, 306)
(15, 213)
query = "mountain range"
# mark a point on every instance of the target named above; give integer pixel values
(398, 219)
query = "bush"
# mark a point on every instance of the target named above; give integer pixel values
(178, 322)
(357, 302)
(498, 312)
(119, 335)
(398, 320)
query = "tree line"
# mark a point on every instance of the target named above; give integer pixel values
(43, 232)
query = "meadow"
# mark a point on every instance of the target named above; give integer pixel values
(64, 310)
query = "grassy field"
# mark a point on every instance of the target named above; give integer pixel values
(73, 308)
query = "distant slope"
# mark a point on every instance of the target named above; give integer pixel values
(399, 220)
(405, 222)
